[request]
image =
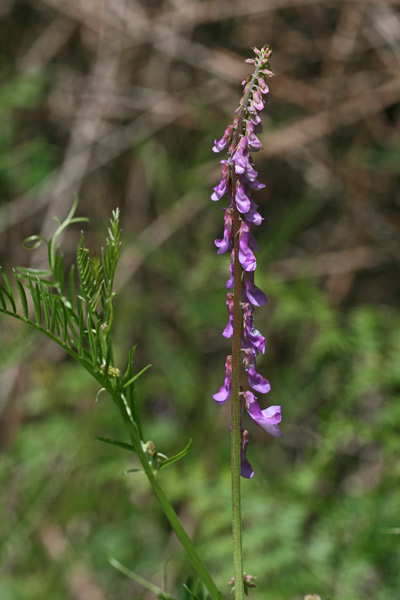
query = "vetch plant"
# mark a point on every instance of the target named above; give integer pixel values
(75, 309)
(239, 179)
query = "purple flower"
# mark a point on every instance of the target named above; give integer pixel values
(231, 281)
(226, 243)
(250, 174)
(224, 141)
(253, 143)
(245, 467)
(243, 203)
(222, 187)
(257, 102)
(264, 89)
(225, 391)
(253, 216)
(254, 295)
(228, 331)
(241, 156)
(255, 118)
(246, 244)
(267, 418)
(251, 335)
(239, 179)
(257, 381)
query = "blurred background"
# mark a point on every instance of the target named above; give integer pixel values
(119, 102)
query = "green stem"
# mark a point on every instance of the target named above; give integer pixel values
(235, 407)
(168, 509)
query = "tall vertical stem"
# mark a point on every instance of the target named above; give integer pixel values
(235, 404)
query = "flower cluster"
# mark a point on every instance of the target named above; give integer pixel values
(239, 179)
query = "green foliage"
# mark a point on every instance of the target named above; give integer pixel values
(66, 313)
(80, 320)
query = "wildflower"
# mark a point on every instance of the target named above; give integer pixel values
(268, 418)
(239, 180)
(226, 243)
(225, 391)
(246, 469)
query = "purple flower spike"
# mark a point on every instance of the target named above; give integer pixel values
(225, 391)
(224, 141)
(254, 295)
(246, 469)
(226, 243)
(267, 418)
(239, 180)
(228, 331)
(257, 381)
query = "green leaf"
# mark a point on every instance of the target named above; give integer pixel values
(191, 593)
(71, 286)
(9, 290)
(3, 302)
(136, 376)
(116, 443)
(143, 582)
(172, 459)
(22, 294)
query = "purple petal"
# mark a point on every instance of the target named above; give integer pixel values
(257, 381)
(224, 141)
(226, 243)
(254, 295)
(246, 469)
(225, 391)
(267, 418)
(255, 118)
(264, 89)
(257, 102)
(254, 142)
(228, 331)
(246, 244)
(250, 335)
(254, 184)
(231, 280)
(220, 189)
(254, 339)
(253, 216)
(250, 173)
(223, 394)
(241, 156)
(243, 203)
